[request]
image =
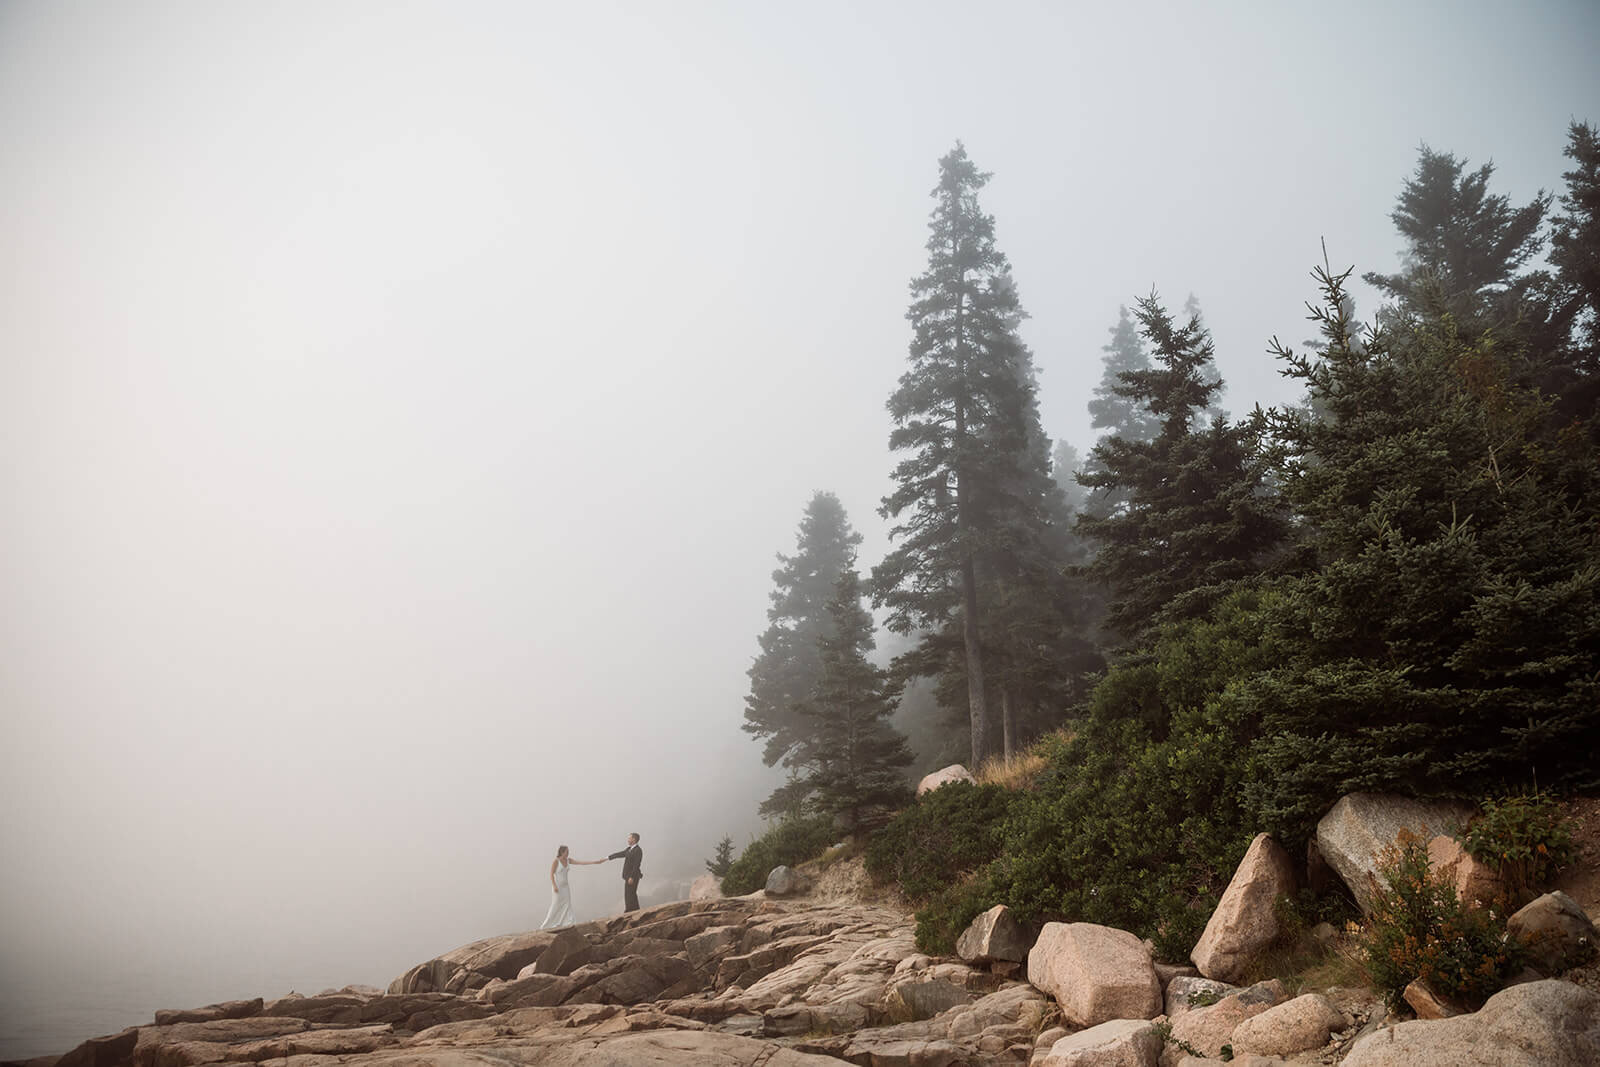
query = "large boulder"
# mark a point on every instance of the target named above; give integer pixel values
(994, 935)
(1557, 932)
(785, 882)
(1209, 1028)
(706, 887)
(1096, 973)
(1540, 1024)
(944, 776)
(1475, 882)
(1246, 919)
(1118, 1043)
(1359, 832)
(1296, 1026)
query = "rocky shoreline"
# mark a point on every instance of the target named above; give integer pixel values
(807, 973)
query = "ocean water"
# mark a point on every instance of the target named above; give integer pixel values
(52, 999)
(44, 1013)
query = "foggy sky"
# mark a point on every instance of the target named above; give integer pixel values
(403, 403)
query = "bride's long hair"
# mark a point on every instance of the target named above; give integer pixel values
(562, 851)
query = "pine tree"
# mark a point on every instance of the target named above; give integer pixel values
(1571, 339)
(1065, 463)
(1197, 517)
(1444, 640)
(975, 464)
(789, 665)
(857, 758)
(1213, 409)
(1575, 243)
(1464, 245)
(724, 858)
(1112, 410)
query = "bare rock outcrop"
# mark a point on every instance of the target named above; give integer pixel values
(1549, 1023)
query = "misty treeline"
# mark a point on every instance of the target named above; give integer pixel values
(1391, 585)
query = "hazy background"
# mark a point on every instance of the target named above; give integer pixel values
(403, 404)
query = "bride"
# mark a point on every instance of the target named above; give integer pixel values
(561, 907)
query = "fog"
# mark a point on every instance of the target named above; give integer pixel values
(403, 404)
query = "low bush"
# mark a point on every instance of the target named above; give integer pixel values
(788, 843)
(1419, 929)
(926, 848)
(1525, 837)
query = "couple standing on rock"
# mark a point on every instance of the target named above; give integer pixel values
(560, 913)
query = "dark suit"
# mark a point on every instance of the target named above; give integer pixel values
(631, 858)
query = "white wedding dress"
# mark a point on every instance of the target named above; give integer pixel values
(561, 907)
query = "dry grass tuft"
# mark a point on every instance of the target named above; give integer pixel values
(1018, 772)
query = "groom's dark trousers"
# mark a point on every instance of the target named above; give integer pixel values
(632, 857)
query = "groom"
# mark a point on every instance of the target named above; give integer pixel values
(630, 857)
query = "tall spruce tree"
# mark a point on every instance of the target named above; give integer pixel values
(1445, 639)
(790, 663)
(974, 483)
(1197, 516)
(1571, 367)
(857, 759)
(1111, 409)
(1465, 246)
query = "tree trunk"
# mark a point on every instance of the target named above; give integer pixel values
(977, 706)
(1008, 722)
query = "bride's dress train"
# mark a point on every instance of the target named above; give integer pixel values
(561, 907)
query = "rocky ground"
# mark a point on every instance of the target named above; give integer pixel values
(833, 974)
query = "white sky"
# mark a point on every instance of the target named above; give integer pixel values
(403, 402)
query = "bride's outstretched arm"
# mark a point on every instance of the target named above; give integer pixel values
(588, 863)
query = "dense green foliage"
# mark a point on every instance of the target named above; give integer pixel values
(787, 843)
(1195, 517)
(953, 830)
(1524, 837)
(1419, 929)
(1392, 586)
(1444, 640)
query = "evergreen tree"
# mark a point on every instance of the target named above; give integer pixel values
(1213, 409)
(976, 464)
(1464, 245)
(789, 665)
(1065, 463)
(857, 758)
(1571, 337)
(1111, 409)
(724, 858)
(1197, 517)
(1575, 244)
(1445, 640)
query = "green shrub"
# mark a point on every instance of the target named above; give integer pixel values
(943, 919)
(1525, 837)
(789, 843)
(952, 830)
(1419, 929)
